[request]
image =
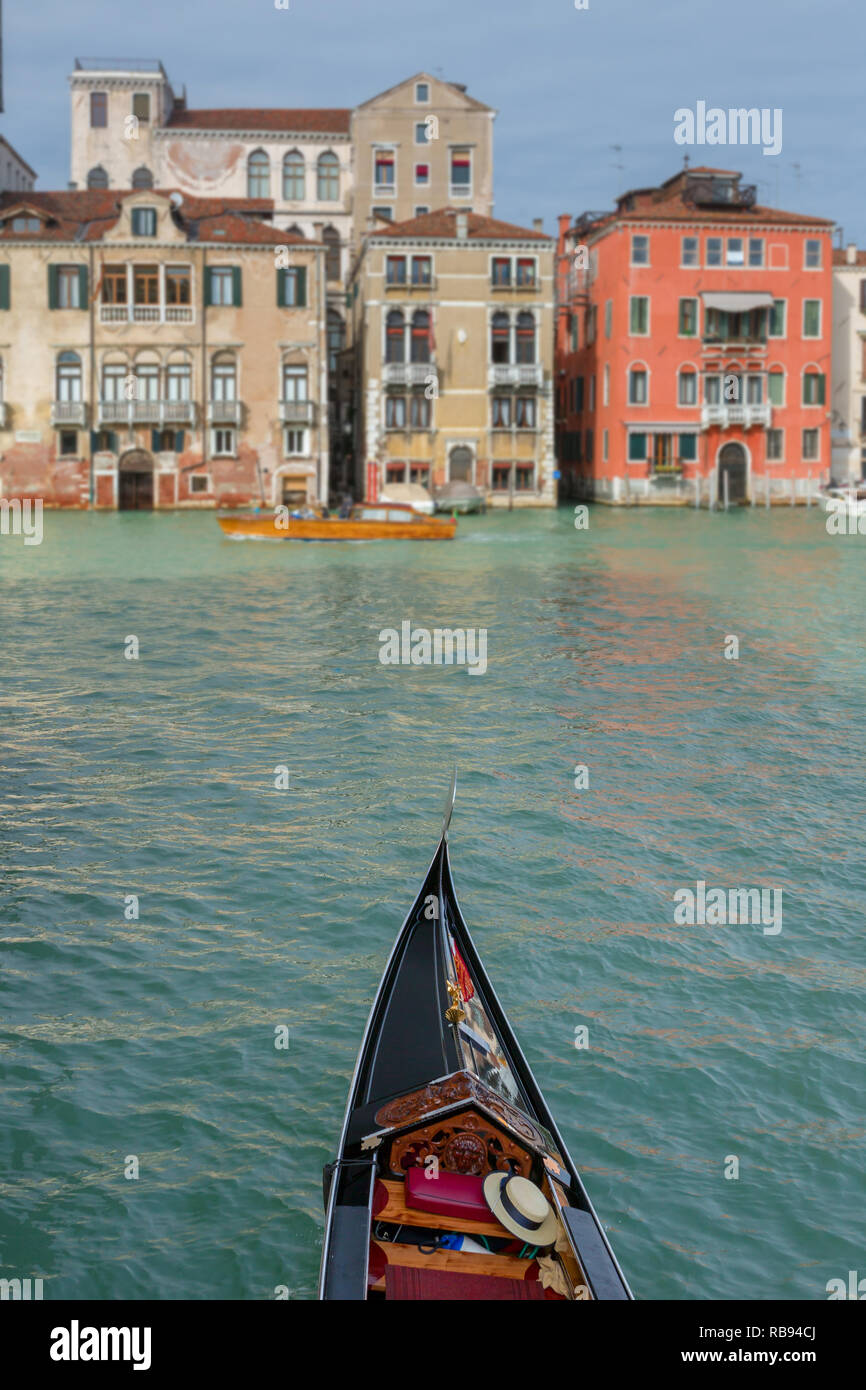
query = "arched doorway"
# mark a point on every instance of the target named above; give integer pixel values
(135, 481)
(733, 465)
(460, 464)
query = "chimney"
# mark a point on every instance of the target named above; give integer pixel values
(462, 225)
(851, 253)
(538, 224)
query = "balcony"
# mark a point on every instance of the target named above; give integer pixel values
(410, 286)
(160, 414)
(729, 414)
(224, 412)
(739, 345)
(409, 373)
(515, 374)
(519, 286)
(146, 313)
(68, 412)
(297, 412)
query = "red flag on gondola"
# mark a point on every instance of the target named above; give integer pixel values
(464, 980)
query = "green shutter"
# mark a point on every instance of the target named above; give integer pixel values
(281, 288)
(775, 382)
(208, 297)
(52, 287)
(178, 441)
(82, 287)
(94, 441)
(154, 442)
(112, 442)
(301, 287)
(236, 286)
(4, 287)
(822, 384)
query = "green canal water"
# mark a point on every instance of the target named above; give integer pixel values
(262, 908)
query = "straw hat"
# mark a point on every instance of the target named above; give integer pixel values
(521, 1208)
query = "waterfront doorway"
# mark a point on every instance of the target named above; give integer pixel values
(460, 465)
(135, 482)
(733, 465)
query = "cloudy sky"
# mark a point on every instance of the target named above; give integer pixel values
(568, 84)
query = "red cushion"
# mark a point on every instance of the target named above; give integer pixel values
(425, 1285)
(448, 1194)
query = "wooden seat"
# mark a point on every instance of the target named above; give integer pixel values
(397, 1212)
(457, 1261)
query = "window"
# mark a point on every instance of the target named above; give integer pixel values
(735, 251)
(712, 390)
(756, 251)
(395, 337)
(294, 382)
(145, 284)
(383, 171)
(500, 412)
(395, 270)
(501, 271)
(422, 270)
(637, 448)
(178, 381)
(591, 394)
(422, 135)
(142, 177)
(812, 259)
(754, 390)
(199, 482)
(863, 296)
(688, 387)
(141, 106)
(639, 250)
(420, 339)
(814, 388)
(292, 287)
(146, 381)
(223, 443)
(419, 411)
(811, 449)
(395, 412)
(97, 178)
(525, 412)
(220, 285)
(294, 442)
(331, 238)
(688, 448)
(714, 250)
(178, 284)
(577, 387)
(608, 318)
(688, 318)
(775, 445)
(776, 388)
(68, 443)
(639, 315)
(422, 93)
(422, 175)
(525, 343)
(69, 287)
(114, 381)
(637, 386)
(223, 378)
(811, 318)
(526, 271)
(294, 177)
(98, 109)
(144, 221)
(500, 339)
(421, 211)
(461, 173)
(328, 178)
(501, 477)
(776, 327)
(689, 252)
(385, 214)
(605, 385)
(523, 477)
(68, 377)
(258, 175)
(604, 445)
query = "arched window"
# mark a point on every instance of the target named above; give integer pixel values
(395, 337)
(328, 178)
(178, 378)
(142, 177)
(525, 337)
(295, 230)
(638, 385)
(331, 238)
(336, 339)
(294, 177)
(687, 388)
(500, 336)
(146, 381)
(97, 178)
(258, 175)
(68, 376)
(421, 336)
(224, 377)
(114, 374)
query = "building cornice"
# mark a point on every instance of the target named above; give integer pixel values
(173, 132)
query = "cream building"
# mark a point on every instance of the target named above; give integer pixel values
(848, 390)
(159, 350)
(453, 326)
(15, 173)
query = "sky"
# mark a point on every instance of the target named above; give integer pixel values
(569, 84)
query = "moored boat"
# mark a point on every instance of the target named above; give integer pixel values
(847, 499)
(407, 495)
(451, 1180)
(364, 523)
(459, 498)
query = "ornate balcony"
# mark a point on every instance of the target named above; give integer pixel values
(731, 414)
(146, 313)
(224, 412)
(297, 412)
(409, 373)
(68, 413)
(159, 414)
(515, 374)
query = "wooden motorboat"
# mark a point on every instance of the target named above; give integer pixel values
(441, 1100)
(365, 523)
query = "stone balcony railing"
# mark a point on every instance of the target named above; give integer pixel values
(515, 374)
(409, 373)
(157, 413)
(730, 414)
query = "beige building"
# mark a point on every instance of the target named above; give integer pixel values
(159, 350)
(15, 173)
(453, 326)
(848, 382)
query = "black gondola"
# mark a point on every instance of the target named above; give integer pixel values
(442, 1098)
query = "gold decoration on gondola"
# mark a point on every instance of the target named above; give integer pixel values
(455, 1014)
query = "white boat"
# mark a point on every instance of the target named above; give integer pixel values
(408, 495)
(848, 499)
